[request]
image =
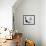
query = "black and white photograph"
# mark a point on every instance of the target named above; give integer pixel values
(29, 19)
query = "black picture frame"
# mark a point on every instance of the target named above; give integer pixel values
(28, 19)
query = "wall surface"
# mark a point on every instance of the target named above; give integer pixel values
(6, 13)
(35, 32)
(29, 7)
(43, 22)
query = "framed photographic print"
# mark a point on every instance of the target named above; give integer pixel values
(28, 19)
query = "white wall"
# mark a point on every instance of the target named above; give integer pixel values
(6, 13)
(35, 32)
(43, 22)
(29, 7)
